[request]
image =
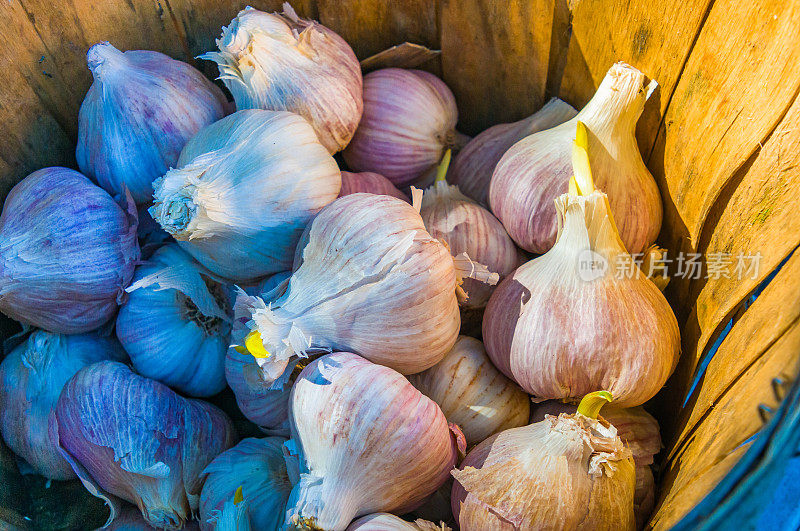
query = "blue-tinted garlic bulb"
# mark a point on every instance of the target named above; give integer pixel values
(138, 114)
(131, 519)
(244, 190)
(175, 325)
(31, 379)
(258, 467)
(67, 252)
(136, 439)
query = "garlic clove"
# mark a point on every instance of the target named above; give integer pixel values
(390, 522)
(372, 280)
(536, 170)
(282, 62)
(367, 442)
(474, 165)
(472, 393)
(138, 114)
(369, 183)
(408, 123)
(245, 188)
(571, 469)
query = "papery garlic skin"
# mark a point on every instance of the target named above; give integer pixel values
(367, 441)
(369, 183)
(259, 468)
(566, 472)
(473, 166)
(408, 123)
(176, 324)
(469, 228)
(282, 62)
(140, 111)
(67, 252)
(472, 393)
(536, 170)
(372, 281)
(561, 332)
(245, 188)
(390, 522)
(259, 400)
(139, 440)
(130, 519)
(31, 379)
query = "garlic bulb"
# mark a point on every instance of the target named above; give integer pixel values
(138, 440)
(282, 62)
(258, 468)
(130, 519)
(536, 170)
(176, 324)
(468, 228)
(566, 472)
(574, 320)
(390, 522)
(139, 112)
(372, 281)
(409, 122)
(474, 165)
(366, 440)
(472, 393)
(262, 402)
(369, 183)
(31, 379)
(644, 496)
(245, 188)
(67, 252)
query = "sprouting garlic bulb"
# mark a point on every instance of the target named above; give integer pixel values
(474, 165)
(31, 379)
(257, 466)
(67, 252)
(566, 472)
(582, 316)
(176, 324)
(536, 170)
(139, 112)
(282, 62)
(259, 399)
(367, 442)
(369, 183)
(390, 522)
(468, 228)
(372, 281)
(409, 122)
(472, 393)
(244, 190)
(135, 438)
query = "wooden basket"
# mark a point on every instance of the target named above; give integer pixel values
(721, 136)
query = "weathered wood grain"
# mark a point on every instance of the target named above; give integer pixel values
(495, 58)
(405, 55)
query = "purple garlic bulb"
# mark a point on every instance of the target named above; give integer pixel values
(139, 112)
(136, 439)
(31, 379)
(67, 252)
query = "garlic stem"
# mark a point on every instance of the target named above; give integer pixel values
(441, 171)
(582, 177)
(592, 403)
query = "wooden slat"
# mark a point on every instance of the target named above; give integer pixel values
(495, 58)
(654, 36)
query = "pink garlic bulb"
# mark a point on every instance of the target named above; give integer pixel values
(472, 393)
(474, 165)
(390, 522)
(408, 123)
(367, 441)
(566, 472)
(536, 170)
(369, 183)
(467, 227)
(582, 316)
(281, 62)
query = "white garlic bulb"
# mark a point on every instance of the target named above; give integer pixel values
(282, 62)
(390, 522)
(244, 190)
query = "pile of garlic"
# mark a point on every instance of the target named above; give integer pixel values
(334, 301)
